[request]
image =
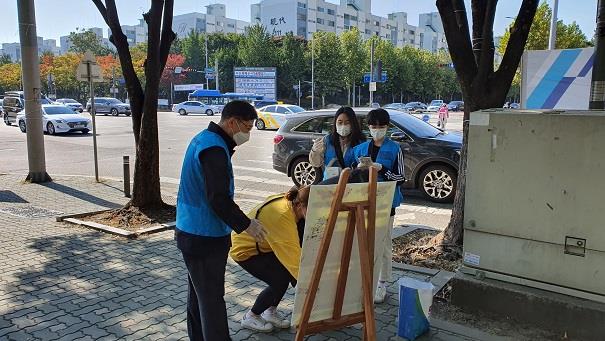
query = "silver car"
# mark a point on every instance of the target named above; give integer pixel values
(195, 107)
(71, 103)
(108, 105)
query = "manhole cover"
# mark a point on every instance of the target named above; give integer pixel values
(30, 212)
(12, 197)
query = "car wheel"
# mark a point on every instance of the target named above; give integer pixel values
(81, 110)
(303, 173)
(6, 121)
(22, 126)
(182, 112)
(50, 129)
(114, 112)
(260, 124)
(85, 131)
(438, 183)
(209, 112)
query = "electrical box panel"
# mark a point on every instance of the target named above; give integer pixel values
(535, 196)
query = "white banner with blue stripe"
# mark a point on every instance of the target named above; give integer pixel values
(556, 79)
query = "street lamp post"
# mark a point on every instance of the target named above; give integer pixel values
(312, 74)
(597, 89)
(553, 26)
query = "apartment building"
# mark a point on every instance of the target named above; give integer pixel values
(214, 20)
(304, 17)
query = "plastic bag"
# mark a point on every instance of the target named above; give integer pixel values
(415, 299)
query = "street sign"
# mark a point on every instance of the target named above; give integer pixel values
(372, 86)
(95, 73)
(209, 72)
(178, 70)
(366, 77)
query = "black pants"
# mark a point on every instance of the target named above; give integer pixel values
(206, 311)
(268, 269)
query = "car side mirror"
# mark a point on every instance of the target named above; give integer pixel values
(399, 136)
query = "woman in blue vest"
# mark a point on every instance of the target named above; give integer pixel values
(385, 155)
(334, 151)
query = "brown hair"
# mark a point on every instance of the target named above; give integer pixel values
(298, 195)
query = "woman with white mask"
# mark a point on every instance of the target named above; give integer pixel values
(385, 155)
(334, 151)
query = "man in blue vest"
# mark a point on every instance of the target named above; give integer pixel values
(206, 215)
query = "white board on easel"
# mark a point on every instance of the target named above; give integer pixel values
(318, 211)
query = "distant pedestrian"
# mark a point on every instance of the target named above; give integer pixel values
(206, 216)
(444, 114)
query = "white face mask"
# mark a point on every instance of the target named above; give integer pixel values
(343, 130)
(240, 137)
(378, 134)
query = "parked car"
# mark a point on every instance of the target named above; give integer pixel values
(434, 105)
(415, 107)
(395, 106)
(273, 116)
(263, 103)
(57, 118)
(109, 105)
(456, 106)
(71, 103)
(431, 155)
(13, 103)
(195, 107)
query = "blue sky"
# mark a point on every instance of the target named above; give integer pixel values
(58, 17)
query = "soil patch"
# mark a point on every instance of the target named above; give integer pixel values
(133, 218)
(414, 248)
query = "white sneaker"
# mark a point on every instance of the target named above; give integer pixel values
(255, 322)
(274, 317)
(381, 293)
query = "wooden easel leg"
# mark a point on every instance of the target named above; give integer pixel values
(322, 254)
(368, 297)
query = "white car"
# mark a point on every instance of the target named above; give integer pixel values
(434, 106)
(57, 119)
(195, 107)
(273, 116)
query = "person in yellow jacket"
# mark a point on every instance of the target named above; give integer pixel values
(276, 259)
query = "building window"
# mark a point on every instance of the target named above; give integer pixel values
(231, 25)
(320, 21)
(301, 17)
(368, 21)
(412, 41)
(412, 32)
(353, 18)
(320, 9)
(331, 11)
(388, 36)
(331, 23)
(302, 5)
(347, 27)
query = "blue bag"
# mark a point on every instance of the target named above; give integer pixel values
(415, 299)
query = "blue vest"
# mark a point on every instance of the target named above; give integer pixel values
(387, 155)
(330, 154)
(193, 211)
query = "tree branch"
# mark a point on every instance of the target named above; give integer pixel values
(102, 9)
(486, 60)
(516, 43)
(455, 23)
(168, 35)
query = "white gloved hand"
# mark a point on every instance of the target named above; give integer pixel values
(319, 145)
(256, 230)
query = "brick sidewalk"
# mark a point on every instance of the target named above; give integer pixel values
(64, 282)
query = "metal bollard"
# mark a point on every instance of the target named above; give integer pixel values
(126, 164)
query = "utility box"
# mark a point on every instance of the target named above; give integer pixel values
(535, 199)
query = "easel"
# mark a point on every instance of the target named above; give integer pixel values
(365, 238)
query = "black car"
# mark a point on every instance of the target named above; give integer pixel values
(263, 103)
(13, 103)
(431, 155)
(415, 107)
(456, 106)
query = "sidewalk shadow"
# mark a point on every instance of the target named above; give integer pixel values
(80, 195)
(103, 285)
